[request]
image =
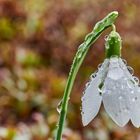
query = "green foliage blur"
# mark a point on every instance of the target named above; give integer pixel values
(38, 40)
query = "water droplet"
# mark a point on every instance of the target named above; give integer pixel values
(79, 55)
(99, 66)
(100, 90)
(136, 80)
(81, 46)
(93, 75)
(59, 107)
(83, 92)
(120, 97)
(87, 84)
(82, 99)
(130, 69)
(132, 91)
(124, 61)
(122, 86)
(82, 113)
(100, 87)
(134, 99)
(106, 37)
(88, 38)
(130, 84)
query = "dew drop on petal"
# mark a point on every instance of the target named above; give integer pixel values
(130, 69)
(93, 75)
(100, 90)
(82, 99)
(83, 92)
(99, 66)
(130, 84)
(120, 97)
(124, 61)
(136, 80)
(132, 91)
(133, 100)
(87, 84)
(82, 113)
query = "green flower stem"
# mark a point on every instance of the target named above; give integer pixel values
(78, 59)
(113, 44)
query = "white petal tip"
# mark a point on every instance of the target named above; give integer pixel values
(85, 122)
(121, 125)
(136, 125)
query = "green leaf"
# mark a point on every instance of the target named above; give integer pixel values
(78, 59)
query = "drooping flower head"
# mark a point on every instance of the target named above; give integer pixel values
(115, 86)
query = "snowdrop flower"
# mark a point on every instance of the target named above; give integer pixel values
(115, 86)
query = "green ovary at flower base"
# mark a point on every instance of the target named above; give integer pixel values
(113, 44)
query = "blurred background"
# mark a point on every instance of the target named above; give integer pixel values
(38, 40)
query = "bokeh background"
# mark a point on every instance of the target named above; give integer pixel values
(38, 40)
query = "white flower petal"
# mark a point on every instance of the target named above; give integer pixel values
(115, 97)
(134, 94)
(135, 112)
(116, 101)
(91, 100)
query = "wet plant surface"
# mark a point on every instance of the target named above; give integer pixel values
(38, 41)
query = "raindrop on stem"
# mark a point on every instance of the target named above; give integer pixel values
(59, 107)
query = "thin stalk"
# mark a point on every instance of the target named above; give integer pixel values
(78, 59)
(113, 27)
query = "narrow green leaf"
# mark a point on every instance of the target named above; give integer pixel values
(78, 59)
